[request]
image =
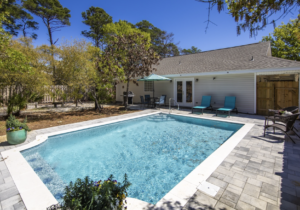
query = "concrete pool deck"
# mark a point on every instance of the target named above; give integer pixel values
(248, 178)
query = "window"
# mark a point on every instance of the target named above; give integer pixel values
(148, 85)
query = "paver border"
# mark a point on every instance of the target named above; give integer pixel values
(36, 195)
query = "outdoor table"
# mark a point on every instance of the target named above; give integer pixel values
(152, 101)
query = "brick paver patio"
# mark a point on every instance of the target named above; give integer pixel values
(260, 173)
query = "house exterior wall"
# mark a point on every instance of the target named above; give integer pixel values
(239, 85)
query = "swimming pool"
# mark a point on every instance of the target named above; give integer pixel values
(156, 152)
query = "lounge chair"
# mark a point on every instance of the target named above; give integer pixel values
(229, 105)
(162, 101)
(288, 126)
(205, 104)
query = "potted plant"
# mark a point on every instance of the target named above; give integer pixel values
(16, 131)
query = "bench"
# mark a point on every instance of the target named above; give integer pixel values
(55, 104)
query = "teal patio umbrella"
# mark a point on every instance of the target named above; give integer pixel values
(154, 77)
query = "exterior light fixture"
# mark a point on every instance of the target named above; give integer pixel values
(197, 80)
(214, 78)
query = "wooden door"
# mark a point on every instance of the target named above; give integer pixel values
(276, 95)
(286, 94)
(265, 97)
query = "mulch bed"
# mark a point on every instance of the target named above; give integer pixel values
(50, 119)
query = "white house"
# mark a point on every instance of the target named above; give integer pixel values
(249, 72)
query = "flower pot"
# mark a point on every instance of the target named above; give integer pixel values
(16, 137)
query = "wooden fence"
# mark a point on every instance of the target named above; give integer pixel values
(56, 91)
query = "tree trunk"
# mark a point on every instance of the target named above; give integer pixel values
(126, 97)
(52, 49)
(49, 32)
(97, 106)
(24, 31)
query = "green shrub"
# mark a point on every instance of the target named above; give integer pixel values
(12, 124)
(89, 195)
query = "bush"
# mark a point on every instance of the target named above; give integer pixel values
(12, 124)
(89, 195)
(17, 102)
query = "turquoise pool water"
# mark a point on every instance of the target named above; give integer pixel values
(156, 152)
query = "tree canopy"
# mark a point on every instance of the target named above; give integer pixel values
(95, 18)
(285, 41)
(192, 50)
(162, 42)
(131, 54)
(52, 13)
(18, 19)
(253, 15)
(123, 28)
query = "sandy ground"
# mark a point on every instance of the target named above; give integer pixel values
(37, 121)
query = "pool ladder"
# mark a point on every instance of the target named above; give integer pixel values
(170, 108)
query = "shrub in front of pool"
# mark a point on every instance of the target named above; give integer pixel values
(88, 194)
(16, 131)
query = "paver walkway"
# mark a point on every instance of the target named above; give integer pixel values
(260, 173)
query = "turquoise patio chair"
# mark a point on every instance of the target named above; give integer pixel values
(205, 104)
(147, 99)
(229, 105)
(143, 103)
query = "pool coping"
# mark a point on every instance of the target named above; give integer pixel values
(36, 195)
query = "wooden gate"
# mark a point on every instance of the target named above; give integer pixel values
(276, 95)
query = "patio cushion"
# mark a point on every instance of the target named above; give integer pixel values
(200, 107)
(224, 109)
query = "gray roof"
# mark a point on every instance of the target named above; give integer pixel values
(227, 59)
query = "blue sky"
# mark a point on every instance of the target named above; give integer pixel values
(185, 18)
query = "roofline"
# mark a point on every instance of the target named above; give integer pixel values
(247, 71)
(217, 49)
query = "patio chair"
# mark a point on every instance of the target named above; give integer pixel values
(276, 117)
(162, 101)
(205, 104)
(285, 128)
(229, 105)
(147, 99)
(143, 103)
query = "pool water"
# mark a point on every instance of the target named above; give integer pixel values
(156, 152)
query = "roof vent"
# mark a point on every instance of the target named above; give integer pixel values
(179, 62)
(252, 59)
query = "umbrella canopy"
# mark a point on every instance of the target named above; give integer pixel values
(154, 77)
